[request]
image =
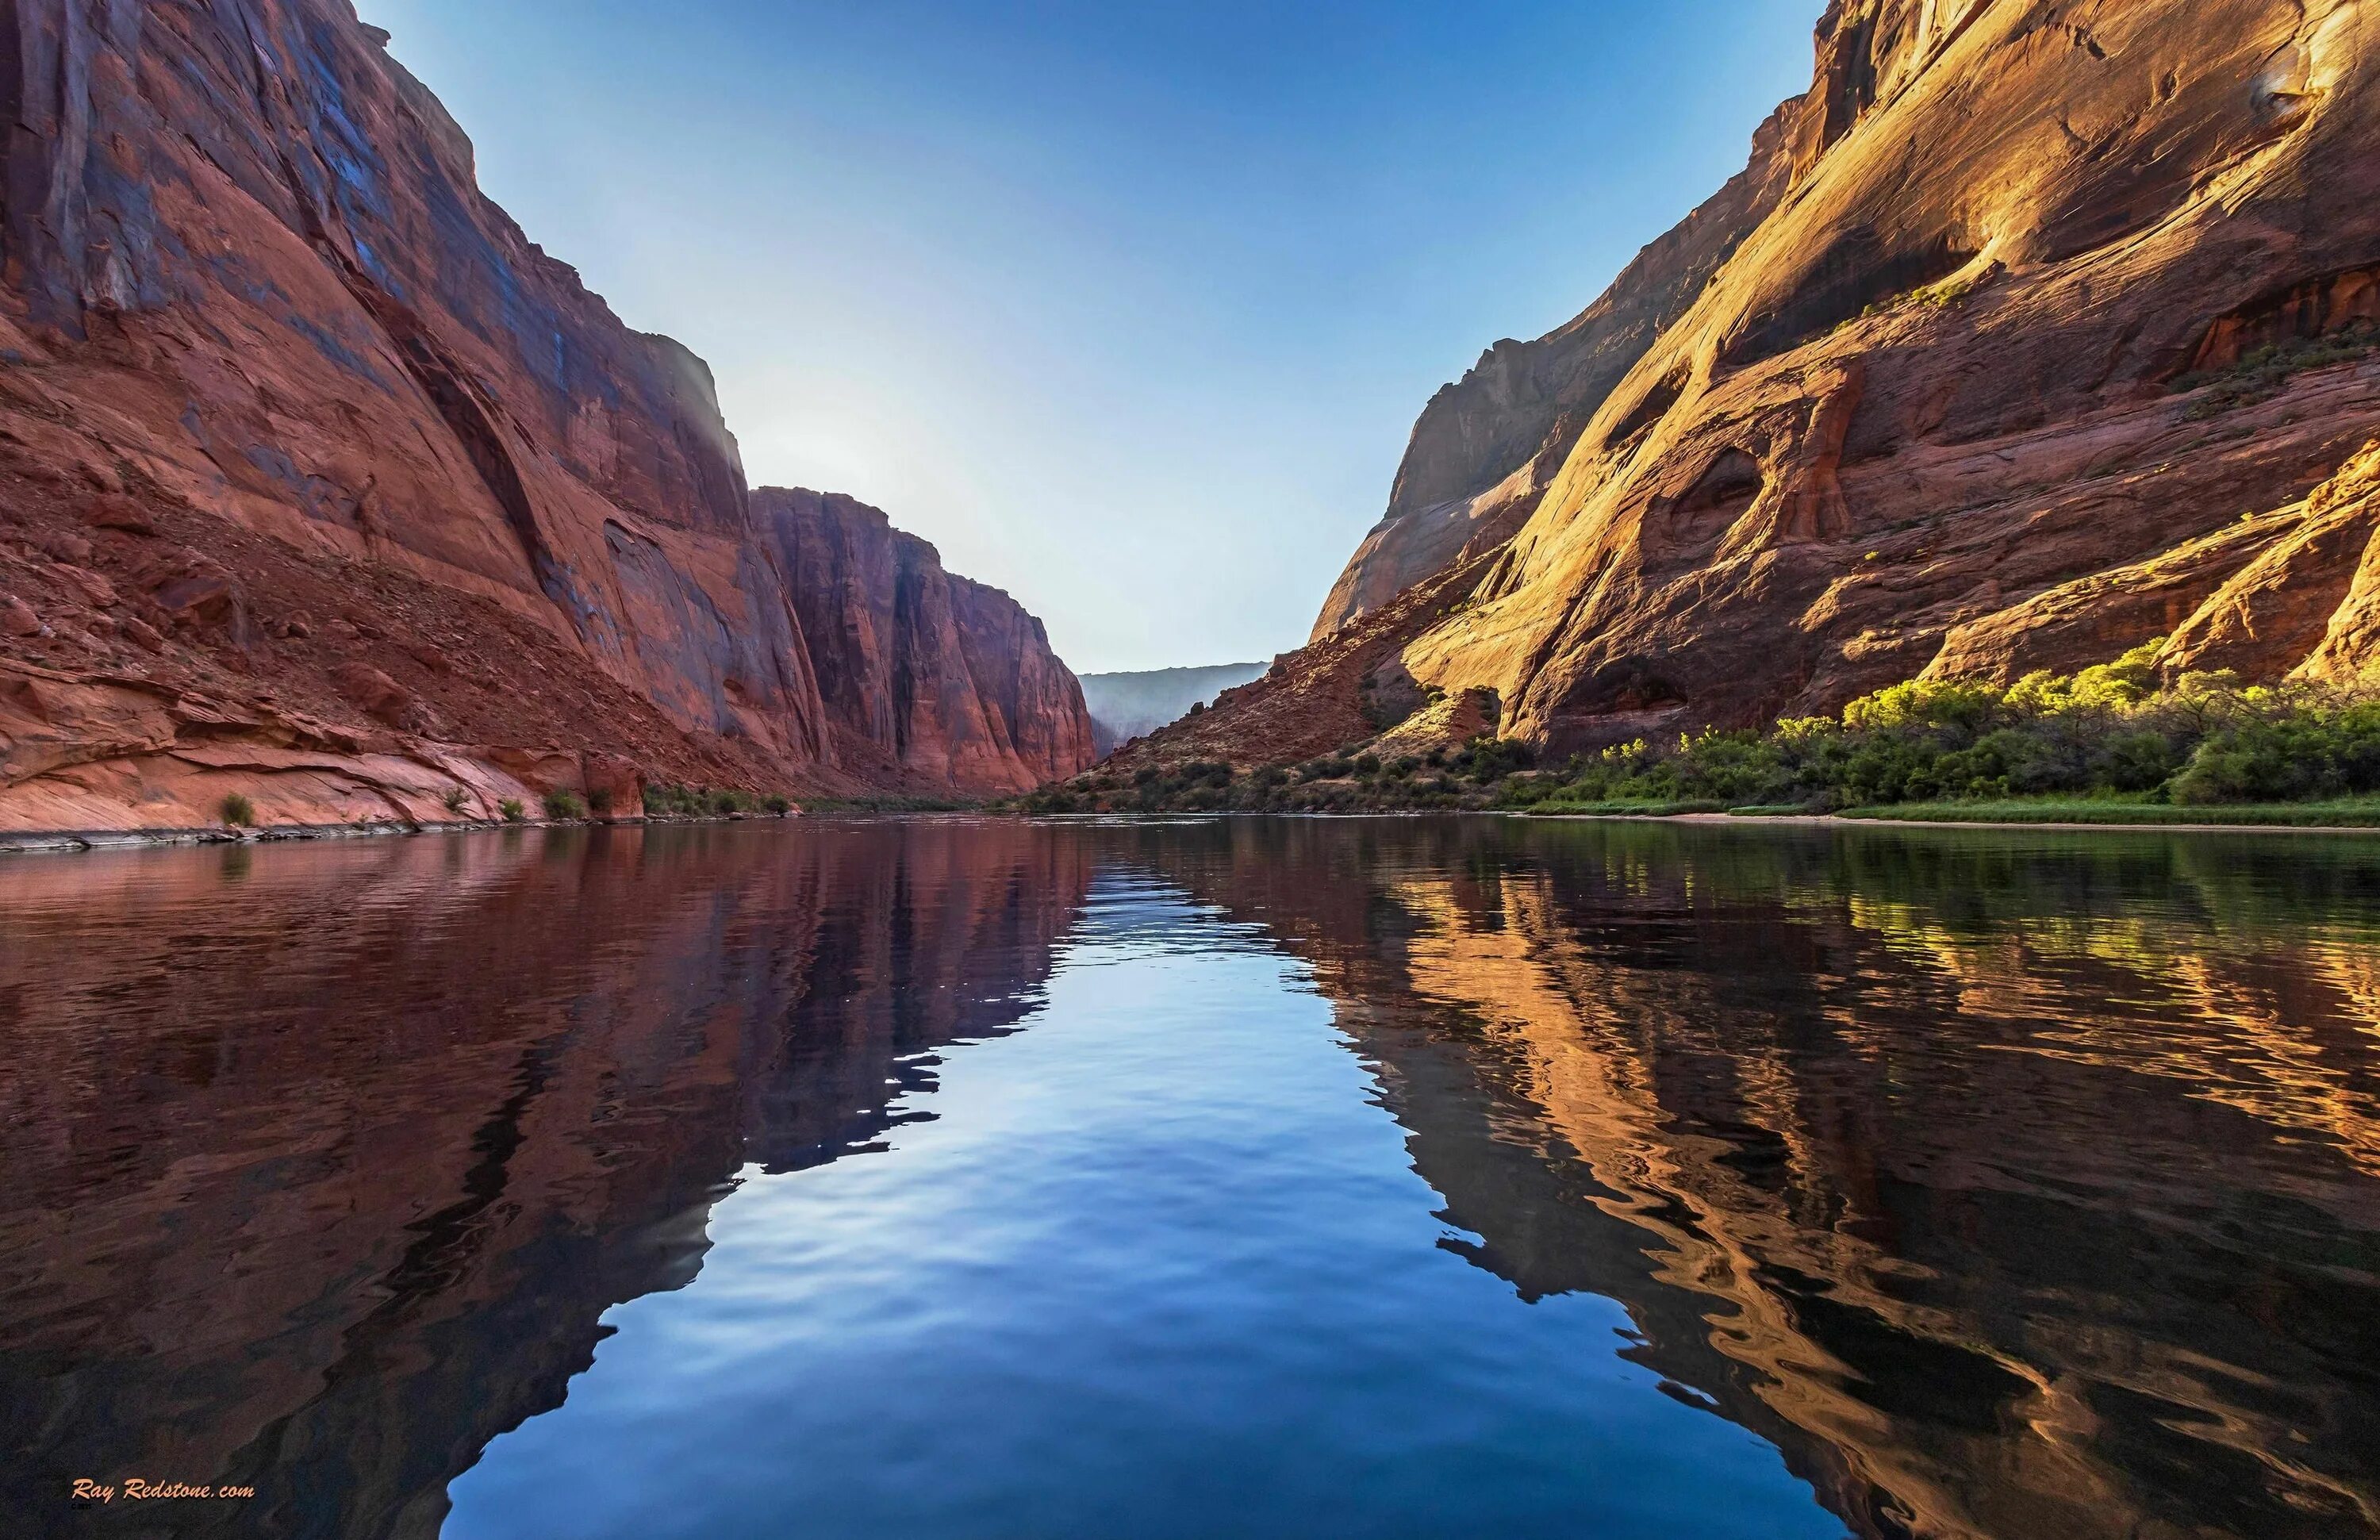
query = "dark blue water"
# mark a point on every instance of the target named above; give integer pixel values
(1160, 1266)
(1396, 1178)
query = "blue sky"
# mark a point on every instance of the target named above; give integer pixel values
(1128, 307)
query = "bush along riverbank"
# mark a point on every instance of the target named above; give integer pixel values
(2119, 743)
(1360, 781)
(2116, 743)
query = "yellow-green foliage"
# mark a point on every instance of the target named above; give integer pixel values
(2116, 729)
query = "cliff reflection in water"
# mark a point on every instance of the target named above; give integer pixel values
(2012, 1185)
(323, 1162)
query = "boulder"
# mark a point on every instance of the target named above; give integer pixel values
(114, 511)
(614, 786)
(374, 694)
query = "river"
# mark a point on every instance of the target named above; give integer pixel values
(954, 1177)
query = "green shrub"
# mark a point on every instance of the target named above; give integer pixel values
(665, 800)
(1488, 759)
(2263, 372)
(563, 806)
(2114, 730)
(2118, 733)
(237, 811)
(455, 801)
(2293, 758)
(777, 803)
(511, 810)
(598, 801)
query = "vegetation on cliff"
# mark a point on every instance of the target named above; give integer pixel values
(2115, 731)
(2118, 741)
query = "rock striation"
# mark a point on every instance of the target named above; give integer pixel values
(1975, 370)
(920, 674)
(1485, 446)
(284, 397)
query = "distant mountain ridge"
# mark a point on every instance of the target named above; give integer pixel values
(1125, 706)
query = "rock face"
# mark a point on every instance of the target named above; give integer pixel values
(253, 297)
(1487, 445)
(1976, 369)
(922, 674)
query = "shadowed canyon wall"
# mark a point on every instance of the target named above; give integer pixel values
(1975, 370)
(921, 671)
(307, 451)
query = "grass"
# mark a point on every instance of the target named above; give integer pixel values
(2334, 813)
(890, 805)
(238, 811)
(665, 801)
(2343, 812)
(1557, 807)
(2261, 373)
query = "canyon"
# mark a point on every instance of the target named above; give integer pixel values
(2034, 333)
(1126, 706)
(323, 486)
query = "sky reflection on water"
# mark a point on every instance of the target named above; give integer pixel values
(1395, 1176)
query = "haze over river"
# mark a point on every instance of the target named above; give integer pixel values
(1233, 1177)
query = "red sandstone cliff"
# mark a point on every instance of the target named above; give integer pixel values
(1487, 445)
(921, 674)
(313, 465)
(1962, 376)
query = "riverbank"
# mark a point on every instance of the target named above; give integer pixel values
(1843, 820)
(62, 841)
(2360, 818)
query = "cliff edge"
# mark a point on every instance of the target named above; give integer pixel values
(320, 482)
(1976, 370)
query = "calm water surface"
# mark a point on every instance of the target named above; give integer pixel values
(1400, 1177)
